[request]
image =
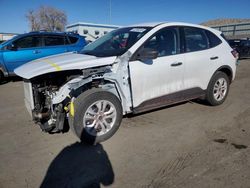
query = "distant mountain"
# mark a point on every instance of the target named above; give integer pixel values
(224, 22)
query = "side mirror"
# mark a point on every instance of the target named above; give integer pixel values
(11, 47)
(147, 53)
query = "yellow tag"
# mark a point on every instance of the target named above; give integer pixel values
(57, 67)
(72, 109)
(66, 108)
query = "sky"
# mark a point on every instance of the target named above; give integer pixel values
(127, 12)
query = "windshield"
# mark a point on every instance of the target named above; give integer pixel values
(116, 42)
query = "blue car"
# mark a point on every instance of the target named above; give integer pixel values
(30, 46)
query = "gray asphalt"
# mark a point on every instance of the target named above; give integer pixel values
(187, 145)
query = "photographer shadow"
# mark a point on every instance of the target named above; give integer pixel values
(79, 166)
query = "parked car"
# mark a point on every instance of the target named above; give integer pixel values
(129, 70)
(242, 46)
(30, 46)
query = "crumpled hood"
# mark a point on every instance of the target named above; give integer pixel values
(61, 62)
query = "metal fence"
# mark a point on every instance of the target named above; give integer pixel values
(234, 30)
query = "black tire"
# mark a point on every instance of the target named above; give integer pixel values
(1, 77)
(211, 95)
(82, 104)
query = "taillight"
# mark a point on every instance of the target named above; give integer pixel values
(235, 54)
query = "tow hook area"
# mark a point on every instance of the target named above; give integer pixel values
(52, 123)
(46, 127)
(37, 116)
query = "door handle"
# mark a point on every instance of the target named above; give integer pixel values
(214, 57)
(176, 64)
(36, 51)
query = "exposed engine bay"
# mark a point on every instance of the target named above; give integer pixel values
(49, 114)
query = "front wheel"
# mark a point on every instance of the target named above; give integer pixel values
(218, 88)
(1, 77)
(97, 116)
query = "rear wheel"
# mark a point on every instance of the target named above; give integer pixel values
(218, 88)
(97, 116)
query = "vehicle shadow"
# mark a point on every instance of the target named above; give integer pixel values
(10, 79)
(80, 166)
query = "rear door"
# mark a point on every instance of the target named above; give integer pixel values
(54, 44)
(202, 54)
(155, 78)
(26, 49)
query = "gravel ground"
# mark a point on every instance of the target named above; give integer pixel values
(187, 145)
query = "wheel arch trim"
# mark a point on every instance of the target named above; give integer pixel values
(227, 70)
(69, 90)
(4, 70)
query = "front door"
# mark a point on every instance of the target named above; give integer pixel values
(155, 78)
(25, 49)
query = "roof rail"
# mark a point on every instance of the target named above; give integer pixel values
(72, 32)
(39, 31)
(66, 32)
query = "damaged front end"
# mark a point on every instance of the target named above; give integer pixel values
(49, 97)
(50, 117)
(39, 94)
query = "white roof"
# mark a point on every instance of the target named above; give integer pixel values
(149, 24)
(154, 24)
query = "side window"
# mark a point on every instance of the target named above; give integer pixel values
(28, 42)
(195, 39)
(85, 31)
(164, 41)
(213, 39)
(53, 40)
(97, 32)
(73, 40)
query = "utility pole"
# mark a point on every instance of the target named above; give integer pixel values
(109, 11)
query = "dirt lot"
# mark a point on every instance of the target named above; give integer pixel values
(188, 145)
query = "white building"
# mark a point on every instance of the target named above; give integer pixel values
(6, 36)
(90, 30)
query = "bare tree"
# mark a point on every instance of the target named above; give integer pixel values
(33, 20)
(47, 18)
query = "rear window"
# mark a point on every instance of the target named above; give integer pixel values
(195, 39)
(213, 39)
(245, 43)
(53, 40)
(73, 40)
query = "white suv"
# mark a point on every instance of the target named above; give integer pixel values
(129, 70)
